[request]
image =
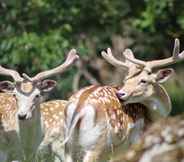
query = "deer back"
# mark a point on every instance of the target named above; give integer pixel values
(107, 107)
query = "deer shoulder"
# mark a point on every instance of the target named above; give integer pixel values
(97, 111)
(53, 118)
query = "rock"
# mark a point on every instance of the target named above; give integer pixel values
(162, 142)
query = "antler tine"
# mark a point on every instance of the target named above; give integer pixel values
(9, 72)
(72, 56)
(127, 54)
(26, 77)
(176, 49)
(108, 56)
(149, 65)
(176, 57)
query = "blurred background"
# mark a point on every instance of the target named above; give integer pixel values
(36, 35)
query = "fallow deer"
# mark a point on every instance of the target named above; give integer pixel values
(96, 121)
(52, 113)
(143, 84)
(31, 124)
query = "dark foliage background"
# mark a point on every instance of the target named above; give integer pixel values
(35, 35)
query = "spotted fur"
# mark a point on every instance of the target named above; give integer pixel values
(112, 121)
(52, 113)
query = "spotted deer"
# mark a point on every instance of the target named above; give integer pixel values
(142, 85)
(52, 113)
(25, 124)
(98, 121)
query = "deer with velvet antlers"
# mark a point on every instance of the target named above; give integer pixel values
(97, 123)
(25, 124)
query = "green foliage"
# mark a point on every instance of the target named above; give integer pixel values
(34, 51)
(155, 13)
(36, 34)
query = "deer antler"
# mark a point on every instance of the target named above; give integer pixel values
(129, 66)
(9, 72)
(133, 65)
(108, 56)
(176, 57)
(72, 56)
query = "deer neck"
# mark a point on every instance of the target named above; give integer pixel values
(159, 104)
(30, 133)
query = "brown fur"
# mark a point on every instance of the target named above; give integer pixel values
(108, 110)
(51, 111)
(105, 101)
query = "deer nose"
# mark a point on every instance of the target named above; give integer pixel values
(21, 117)
(122, 95)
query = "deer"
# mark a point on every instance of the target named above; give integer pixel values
(53, 129)
(100, 120)
(144, 84)
(34, 124)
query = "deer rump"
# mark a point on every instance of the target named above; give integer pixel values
(95, 120)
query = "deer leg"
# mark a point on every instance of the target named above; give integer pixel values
(58, 150)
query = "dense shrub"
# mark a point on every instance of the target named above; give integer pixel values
(35, 34)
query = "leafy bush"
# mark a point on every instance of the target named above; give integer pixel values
(36, 34)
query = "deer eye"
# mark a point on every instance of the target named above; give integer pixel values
(149, 73)
(37, 96)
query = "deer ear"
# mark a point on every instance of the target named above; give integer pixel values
(164, 74)
(47, 85)
(6, 86)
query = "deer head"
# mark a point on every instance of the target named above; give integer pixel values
(142, 83)
(29, 91)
